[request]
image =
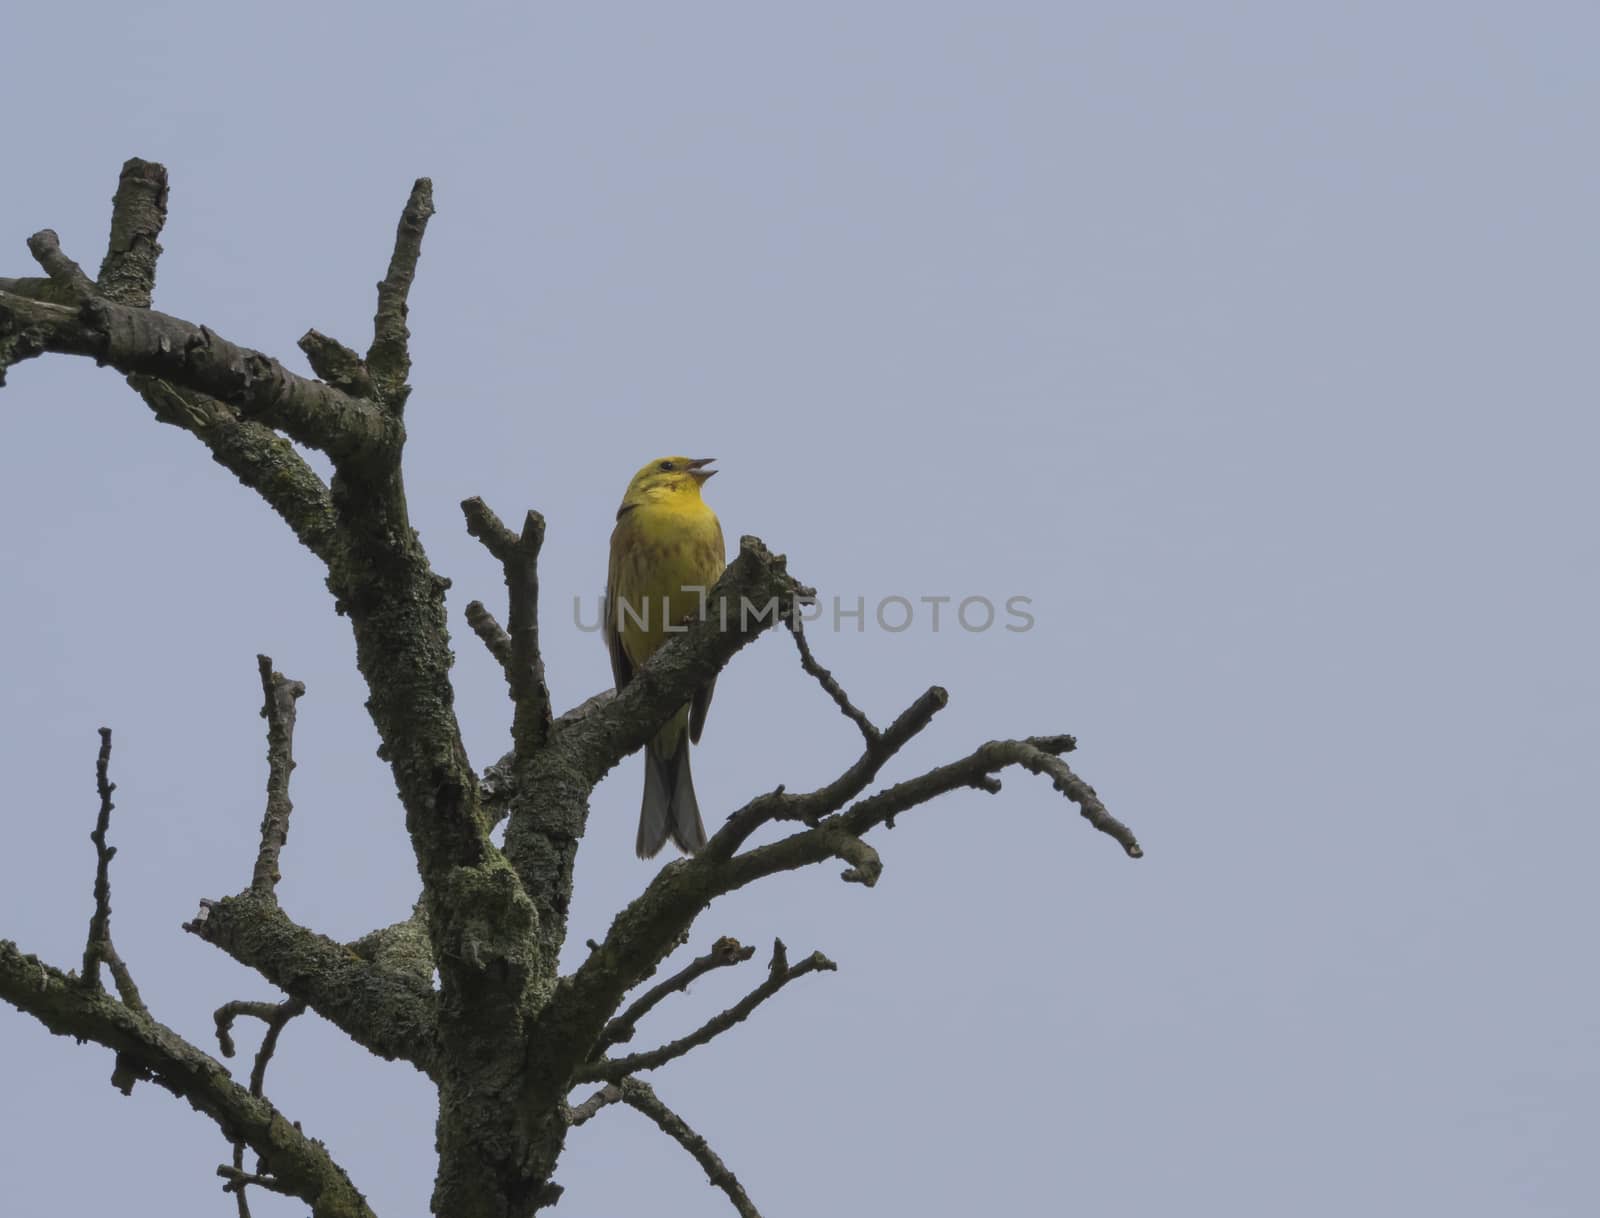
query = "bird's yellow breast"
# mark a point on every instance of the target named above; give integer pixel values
(666, 556)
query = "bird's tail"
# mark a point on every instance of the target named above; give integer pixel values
(669, 808)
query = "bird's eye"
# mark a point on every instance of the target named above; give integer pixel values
(666, 465)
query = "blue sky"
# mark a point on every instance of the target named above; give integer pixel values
(1252, 342)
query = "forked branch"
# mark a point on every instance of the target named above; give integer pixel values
(779, 974)
(724, 953)
(517, 649)
(276, 1016)
(144, 342)
(153, 1051)
(147, 1049)
(384, 1007)
(644, 933)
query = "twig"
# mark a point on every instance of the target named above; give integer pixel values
(389, 357)
(518, 555)
(279, 711)
(780, 974)
(225, 1015)
(590, 1108)
(98, 948)
(640, 1096)
(138, 213)
(275, 1015)
(45, 247)
(286, 1011)
(812, 806)
(724, 952)
(494, 637)
(336, 364)
(1041, 760)
(977, 770)
(240, 1201)
(865, 864)
(869, 732)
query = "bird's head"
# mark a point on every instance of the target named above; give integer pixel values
(667, 477)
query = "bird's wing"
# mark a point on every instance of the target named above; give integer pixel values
(621, 668)
(702, 698)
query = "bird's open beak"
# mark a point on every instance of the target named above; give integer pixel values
(698, 470)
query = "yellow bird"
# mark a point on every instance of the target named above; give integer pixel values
(666, 552)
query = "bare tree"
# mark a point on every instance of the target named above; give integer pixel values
(502, 1034)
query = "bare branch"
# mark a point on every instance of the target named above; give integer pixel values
(99, 948)
(389, 357)
(812, 806)
(832, 836)
(138, 213)
(834, 690)
(153, 1051)
(385, 1009)
(865, 865)
(780, 974)
(279, 712)
(724, 952)
(644, 932)
(579, 1114)
(491, 633)
(1031, 754)
(269, 1043)
(518, 555)
(500, 784)
(143, 341)
(275, 1015)
(255, 454)
(639, 1095)
(336, 364)
(225, 1015)
(1040, 759)
(45, 247)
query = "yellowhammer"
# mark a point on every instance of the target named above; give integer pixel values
(666, 552)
